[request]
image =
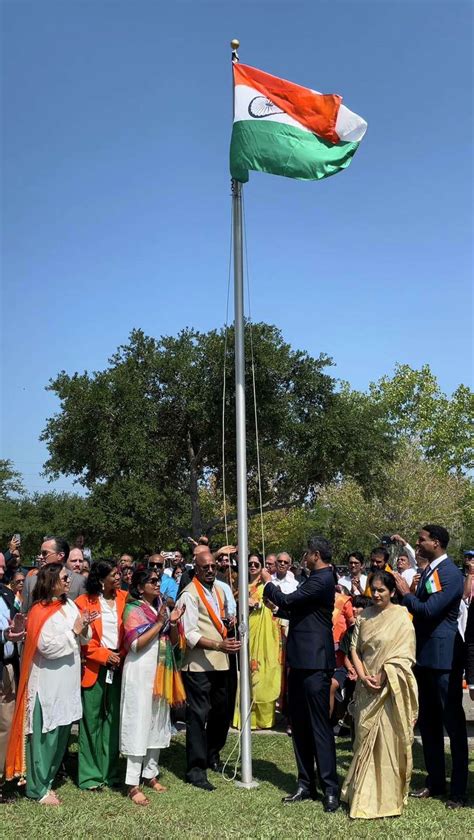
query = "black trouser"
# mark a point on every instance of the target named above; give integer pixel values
(440, 699)
(313, 738)
(207, 720)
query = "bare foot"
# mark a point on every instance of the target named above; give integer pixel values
(50, 799)
(137, 796)
(155, 785)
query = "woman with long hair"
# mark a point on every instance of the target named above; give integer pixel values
(101, 678)
(264, 652)
(151, 683)
(49, 690)
(385, 705)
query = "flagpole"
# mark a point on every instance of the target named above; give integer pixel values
(242, 540)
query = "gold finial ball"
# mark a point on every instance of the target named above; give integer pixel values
(235, 43)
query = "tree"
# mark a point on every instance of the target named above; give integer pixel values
(419, 411)
(415, 491)
(144, 435)
(11, 483)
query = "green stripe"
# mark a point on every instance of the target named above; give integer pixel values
(282, 149)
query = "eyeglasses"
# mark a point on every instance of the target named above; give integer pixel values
(208, 566)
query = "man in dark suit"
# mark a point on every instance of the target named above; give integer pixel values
(53, 550)
(439, 665)
(310, 657)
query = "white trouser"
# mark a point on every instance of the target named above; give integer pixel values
(149, 762)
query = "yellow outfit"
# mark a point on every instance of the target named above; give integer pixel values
(265, 665)
(377, 782)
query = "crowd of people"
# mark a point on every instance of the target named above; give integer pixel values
(126, 648)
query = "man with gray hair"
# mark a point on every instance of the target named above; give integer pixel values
(284, 577)
(53, 550)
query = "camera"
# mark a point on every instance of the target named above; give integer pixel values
(386, 540)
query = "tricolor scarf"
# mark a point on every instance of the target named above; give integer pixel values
(15, 763)
(138, 617)
(217, 620)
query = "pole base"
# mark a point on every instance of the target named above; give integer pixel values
(248, 785)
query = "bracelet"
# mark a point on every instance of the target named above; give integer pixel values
(173, 623)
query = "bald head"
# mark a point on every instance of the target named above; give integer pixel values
(205, 566)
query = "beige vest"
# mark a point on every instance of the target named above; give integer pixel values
(198, 659)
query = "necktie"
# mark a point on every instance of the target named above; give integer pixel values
(421, 583)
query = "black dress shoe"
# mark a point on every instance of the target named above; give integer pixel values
(331, 803)
(216, 767)
(424, 793)
(299, 796)
(203, 784)
(456, 802)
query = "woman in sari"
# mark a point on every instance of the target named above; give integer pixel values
(98, 745)
(49, 690)
(385, 706)
(151, 683)
(264, 651)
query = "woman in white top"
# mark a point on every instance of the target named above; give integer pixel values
(49, 692)
(101, 678)
(150, 683)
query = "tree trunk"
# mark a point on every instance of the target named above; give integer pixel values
(196, 519)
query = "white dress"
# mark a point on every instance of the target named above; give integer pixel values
(55, 675)
(145, 721)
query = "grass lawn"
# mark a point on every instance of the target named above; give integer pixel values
(185, 812)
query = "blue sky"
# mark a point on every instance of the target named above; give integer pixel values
(116, 193)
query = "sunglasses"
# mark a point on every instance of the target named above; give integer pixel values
(209, 566)
(64, 578)
(156, 565)
(154, 581)
(283, 562)
(253, 564)
(45, 553)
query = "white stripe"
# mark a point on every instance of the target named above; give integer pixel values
(350, 128)
(246, 97)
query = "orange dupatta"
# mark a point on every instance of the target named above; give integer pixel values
(216, 620)
(15, 763)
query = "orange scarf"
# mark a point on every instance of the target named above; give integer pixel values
(15, 763)
(216, 620)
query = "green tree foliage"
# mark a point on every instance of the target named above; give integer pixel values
(11, 483)
(64, 514)
(415, 491)
(144, 435)
(418, 410)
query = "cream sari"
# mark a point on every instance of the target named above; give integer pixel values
(377, 782)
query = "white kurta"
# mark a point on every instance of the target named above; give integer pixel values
(145, 721)
(56, 672)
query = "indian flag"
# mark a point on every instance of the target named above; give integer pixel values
(286, 129)
(433, 584)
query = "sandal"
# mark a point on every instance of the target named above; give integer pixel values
(137, 797)
(155, 785)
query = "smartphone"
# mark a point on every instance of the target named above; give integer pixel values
(17, 538)
(19, 621)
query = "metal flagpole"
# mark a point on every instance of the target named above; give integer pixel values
(242, 540)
